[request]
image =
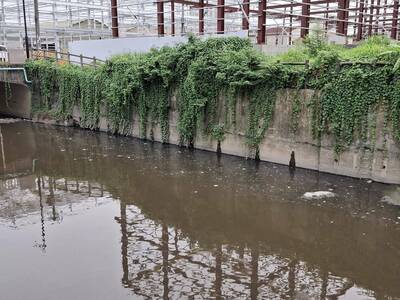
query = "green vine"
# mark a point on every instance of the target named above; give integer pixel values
(7, 92)
(203, 80)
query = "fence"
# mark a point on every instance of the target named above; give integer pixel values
(66, 57)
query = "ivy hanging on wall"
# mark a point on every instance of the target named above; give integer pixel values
(200, 74)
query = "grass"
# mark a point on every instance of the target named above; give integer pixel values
(376, 48)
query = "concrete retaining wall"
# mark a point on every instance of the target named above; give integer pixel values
(381, 164)
(19, 103)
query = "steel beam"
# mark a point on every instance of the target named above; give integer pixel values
(342, 14)
(393, 32)
(114, 19)
(160, 18)
(231, 9)
(26, 30)
(378, 4)
(305, 18)
(172, 17)
(37, 24)
(246, 15)
(221, 17)
(262, 18)
(371, 16)
(201, 16)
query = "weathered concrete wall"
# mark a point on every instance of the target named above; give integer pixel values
(19, 102)
(382, 164)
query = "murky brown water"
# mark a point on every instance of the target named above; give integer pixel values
(85, 215)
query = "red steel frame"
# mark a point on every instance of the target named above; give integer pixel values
(367, 17)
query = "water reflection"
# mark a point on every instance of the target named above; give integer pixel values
(197, 225)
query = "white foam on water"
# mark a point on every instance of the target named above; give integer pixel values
(9, 120)
(318, 195)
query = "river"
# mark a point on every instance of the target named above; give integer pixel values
(86, 215)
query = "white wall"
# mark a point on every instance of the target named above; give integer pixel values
(104, 49)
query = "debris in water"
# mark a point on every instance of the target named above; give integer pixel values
(390, 200)
(84, 149)
(369, 181)
(318, 195)
(215, 185)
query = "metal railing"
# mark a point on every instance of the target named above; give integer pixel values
(66, 57)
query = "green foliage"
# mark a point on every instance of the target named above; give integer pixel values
(315, 43)
(348, 100)
(204, 79)
(7, 92)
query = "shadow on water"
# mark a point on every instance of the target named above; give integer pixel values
(195, 223)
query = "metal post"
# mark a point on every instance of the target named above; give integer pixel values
(384, 18)
(327, 18)
(221, 17)
(160, 17)
(94, 61)
(246, 15)
(346, 16)
(172, 17)
(291, 22)
(342, 15)
(371, 12)
(81, 60)
(69, 57)
(360, 21)
(262, 16)
(37, 24)
(305, 18)
(26, 31)
(393, 32)
(378, 4)
(201, 16)
(114, 19)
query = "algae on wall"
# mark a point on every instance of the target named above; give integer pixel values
(201, 71)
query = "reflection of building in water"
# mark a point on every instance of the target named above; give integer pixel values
(160, 261)
(23, 199)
